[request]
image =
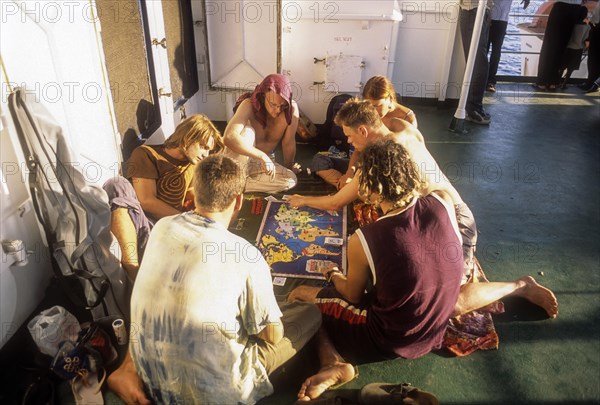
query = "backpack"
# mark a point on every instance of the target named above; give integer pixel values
(333, 135)
(74, 214)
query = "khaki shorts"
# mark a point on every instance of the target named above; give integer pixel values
(301, 321)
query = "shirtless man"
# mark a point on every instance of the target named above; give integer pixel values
(262, 119)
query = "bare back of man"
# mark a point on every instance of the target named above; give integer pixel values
(429, 169)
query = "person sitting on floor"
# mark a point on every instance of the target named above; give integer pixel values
(157, 184)
(380, 92)
(362, 125)
(416, 289)
(262, 120)
(208, 327)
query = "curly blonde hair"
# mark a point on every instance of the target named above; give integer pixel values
(386, 168)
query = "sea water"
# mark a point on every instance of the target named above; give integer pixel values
(510, 63)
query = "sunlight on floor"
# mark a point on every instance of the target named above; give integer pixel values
(524, 94)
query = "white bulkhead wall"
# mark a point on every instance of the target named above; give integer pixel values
(414, 43)
(53, 50)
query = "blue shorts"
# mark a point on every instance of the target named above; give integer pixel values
(324, 162)
(122, 195)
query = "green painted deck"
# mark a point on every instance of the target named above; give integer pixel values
(531, 179)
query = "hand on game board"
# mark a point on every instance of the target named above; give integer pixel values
(295, 201)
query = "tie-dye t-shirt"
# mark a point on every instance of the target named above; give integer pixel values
(173, 177)
(200, 293)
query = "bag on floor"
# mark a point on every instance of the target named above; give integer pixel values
(52, 327)
(74, 214)
(333, 135)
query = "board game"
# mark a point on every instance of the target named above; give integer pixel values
(298, 242)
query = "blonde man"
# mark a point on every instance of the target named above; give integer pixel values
(157, 183)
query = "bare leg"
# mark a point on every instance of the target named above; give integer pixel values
(126, 383)
(334, 370)
(304, 293)
(473, 296)
(124, 230)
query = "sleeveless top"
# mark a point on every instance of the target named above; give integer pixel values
(416, 262)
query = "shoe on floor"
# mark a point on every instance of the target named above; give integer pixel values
(491, 88)
(592, 88)
(481, 118)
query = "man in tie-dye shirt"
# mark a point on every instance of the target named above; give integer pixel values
(207, 327)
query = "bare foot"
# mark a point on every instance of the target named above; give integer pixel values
(539, 295)
(126, 383)
(327, 377)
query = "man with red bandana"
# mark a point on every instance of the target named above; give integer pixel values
(262, 120)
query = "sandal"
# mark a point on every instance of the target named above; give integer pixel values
(383, 394)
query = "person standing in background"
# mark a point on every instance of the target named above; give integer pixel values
(561, 21)
(466, 20)
(593, 63)
(499, 15)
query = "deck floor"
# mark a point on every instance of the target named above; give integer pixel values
(531, 179)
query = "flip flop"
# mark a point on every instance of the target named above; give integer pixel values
(392, 394)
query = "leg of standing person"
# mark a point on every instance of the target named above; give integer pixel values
(495, 41)
(548, 49)
(593, 62)
(561, 21)
(474, 106)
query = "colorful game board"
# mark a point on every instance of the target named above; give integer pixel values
(298, 242)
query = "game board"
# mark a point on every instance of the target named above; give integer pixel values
(297, 242)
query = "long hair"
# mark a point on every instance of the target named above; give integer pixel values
(378, 88)
(386, 168)
(197, 128)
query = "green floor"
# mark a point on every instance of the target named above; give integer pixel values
(531, 179)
